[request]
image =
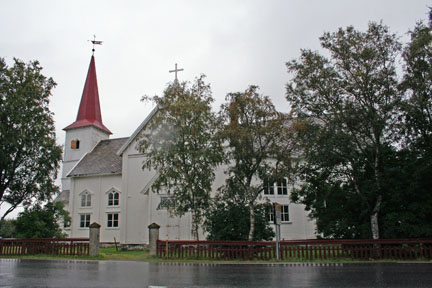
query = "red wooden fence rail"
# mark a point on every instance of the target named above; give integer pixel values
(47, 246)
(298, 250)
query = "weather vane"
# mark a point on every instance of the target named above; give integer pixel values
(95, 42)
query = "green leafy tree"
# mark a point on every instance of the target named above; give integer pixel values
(409, 208)
(38, 222)
(349, 106)
(337, 209)
(7, 228)
(230, 221)
(180, 144)
(258, 147)
(29, 156)
(417, 86)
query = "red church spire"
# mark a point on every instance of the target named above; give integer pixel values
(89, 113)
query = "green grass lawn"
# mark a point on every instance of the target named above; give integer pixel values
(104, 254)
(133, 255)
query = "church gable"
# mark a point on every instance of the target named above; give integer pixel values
(102, 160)
(133, 137)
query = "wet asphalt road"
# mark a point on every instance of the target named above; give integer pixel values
(46, 273)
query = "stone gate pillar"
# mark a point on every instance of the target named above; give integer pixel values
(153, 237)
(94, 236)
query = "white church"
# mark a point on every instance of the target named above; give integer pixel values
(103, 181)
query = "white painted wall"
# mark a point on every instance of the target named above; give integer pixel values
(89, 136)
(299, 226)
(97, 186)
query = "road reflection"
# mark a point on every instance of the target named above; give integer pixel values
(46, 273)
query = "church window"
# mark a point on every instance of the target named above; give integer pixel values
(166, 203)
(268, 187)
(84, 220)
(86, 200)
(113, 198)
(75, 144)
(285, 213)
(113, 220)
(270, 213)
(282, 187)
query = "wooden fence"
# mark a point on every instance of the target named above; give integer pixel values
(47, 246)
(299, 250)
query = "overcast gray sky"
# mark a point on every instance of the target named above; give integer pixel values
(234, 42)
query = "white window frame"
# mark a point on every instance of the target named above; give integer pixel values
(282, 186)
(278, 187)
(113, 223)
(271, 214)
(268, 187)
(285, 217)
(113, 192)
(87, 195)
(84, 222)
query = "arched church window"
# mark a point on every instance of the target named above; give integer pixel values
(86, 199)
(75, 144)
(113, 198)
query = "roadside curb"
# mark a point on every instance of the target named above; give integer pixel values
(285, 264)
(209, 264)
(289, 264)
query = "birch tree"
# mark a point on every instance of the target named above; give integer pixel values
(258, 148)
(349, 103)
(180, 144)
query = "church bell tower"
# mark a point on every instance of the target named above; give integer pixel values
(88, 129)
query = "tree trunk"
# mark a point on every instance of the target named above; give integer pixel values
(374, 218)
(195, 227)
(9, 210)
(252, 221)
(374, 225)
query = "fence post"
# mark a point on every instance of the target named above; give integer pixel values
(94, 239)
(153, 237)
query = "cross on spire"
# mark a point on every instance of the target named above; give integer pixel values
(95, 42)
(175, 71)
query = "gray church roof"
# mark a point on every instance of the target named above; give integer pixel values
(103, 159)
(63, 196)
